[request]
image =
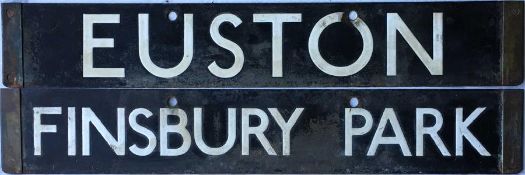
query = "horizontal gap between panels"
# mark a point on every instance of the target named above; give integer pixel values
(225, 1)
(308, 88)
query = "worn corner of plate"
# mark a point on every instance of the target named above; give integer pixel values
(12, 45)
(11, 131)
(511, 160)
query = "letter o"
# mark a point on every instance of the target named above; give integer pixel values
(320, 62)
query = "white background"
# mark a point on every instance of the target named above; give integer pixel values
(249, 1)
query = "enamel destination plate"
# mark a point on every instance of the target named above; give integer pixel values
(265, 131)
(263, 45)
(263, 88)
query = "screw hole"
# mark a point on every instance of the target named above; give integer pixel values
(10, 13)
(352, 15)
(172, 16)
(172, 102)
(354, 102)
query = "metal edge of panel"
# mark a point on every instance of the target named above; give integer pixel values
(513, 43)
(12, 45)
(11, 130)
(512, 131)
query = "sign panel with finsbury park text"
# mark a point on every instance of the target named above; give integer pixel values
(271, 131)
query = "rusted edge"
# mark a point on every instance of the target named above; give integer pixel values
(512, 131)
(11, 131)
(512, 46)
(12, 45)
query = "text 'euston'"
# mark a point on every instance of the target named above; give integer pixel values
(394, 25)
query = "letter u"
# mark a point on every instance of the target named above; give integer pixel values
(144, 48)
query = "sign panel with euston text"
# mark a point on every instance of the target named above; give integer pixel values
(269, 45)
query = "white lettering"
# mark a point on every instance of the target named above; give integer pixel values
(463, 131)
(277, 21)
(89, 43)
(350, 131)
(432, 131)
(197, 119)
(179, 128)
(118, 145)
(152, 140)
(399, 139)
(145, 58)
(258, 131)
(320, 62)
(286, 127)
(395, 23)
(39, 128)
(71, 127)
(227, 44)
